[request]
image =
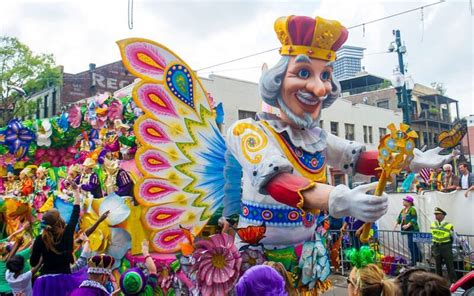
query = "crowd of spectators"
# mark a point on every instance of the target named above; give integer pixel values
(445, 179)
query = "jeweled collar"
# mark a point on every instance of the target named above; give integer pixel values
(93, 284)
(310, 140)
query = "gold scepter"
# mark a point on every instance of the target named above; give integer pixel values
(395, 153)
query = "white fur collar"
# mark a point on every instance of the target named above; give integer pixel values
(310, 140)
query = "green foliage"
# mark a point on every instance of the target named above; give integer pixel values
(439, 86)
(20, 68)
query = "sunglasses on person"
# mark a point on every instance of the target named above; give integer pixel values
(350, 281)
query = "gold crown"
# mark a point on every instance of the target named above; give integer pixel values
(328, 36)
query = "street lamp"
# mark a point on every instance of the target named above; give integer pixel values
(398, 82)
(403, 84)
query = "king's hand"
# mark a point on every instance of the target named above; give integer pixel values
(357, 203)
(430, 159)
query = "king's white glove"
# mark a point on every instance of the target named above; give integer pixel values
(430, 159)
(357, 203)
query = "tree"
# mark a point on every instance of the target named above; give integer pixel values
(22, 73)
(439, 86)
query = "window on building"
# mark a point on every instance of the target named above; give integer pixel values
(321, 124)
(365, 134)
(383, 104)
(382, 132)
(349, 131)
(339, 179)
(371, 140)
(334, 128)
(246, 114)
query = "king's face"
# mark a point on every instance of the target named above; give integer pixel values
(306, 84)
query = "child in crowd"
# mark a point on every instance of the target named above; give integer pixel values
(20, 281)
(135, 282)
(7, 251)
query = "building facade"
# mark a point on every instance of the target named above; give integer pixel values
(348, 61)
(467, 144)
(431, 113)
(76, 87)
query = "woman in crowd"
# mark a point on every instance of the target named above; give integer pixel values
(366, 278)
(135, 282)
(408, 219)
(419, 282)
(55, 245)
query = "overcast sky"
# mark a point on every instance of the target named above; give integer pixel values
(205, 33)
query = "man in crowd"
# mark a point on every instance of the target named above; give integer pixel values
(442, 248)
(450, 181)
(466, 181)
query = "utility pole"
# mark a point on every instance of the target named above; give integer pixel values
(403, 93)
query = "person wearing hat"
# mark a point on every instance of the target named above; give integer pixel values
(134, 282)
(99, 271)
(408, 219)
(126, 139)
(442, 248)
(117, 179)
(43, 185)
(90, 180)
(12, 185)
(27, 183)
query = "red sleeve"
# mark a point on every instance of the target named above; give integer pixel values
(367, 163)
(286, 188)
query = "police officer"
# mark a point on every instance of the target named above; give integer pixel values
(442, 248)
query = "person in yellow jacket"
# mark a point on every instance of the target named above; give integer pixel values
(442, 248)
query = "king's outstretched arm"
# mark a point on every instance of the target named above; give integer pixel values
(272, 173)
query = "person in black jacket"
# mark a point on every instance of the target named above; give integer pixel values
(55, 245)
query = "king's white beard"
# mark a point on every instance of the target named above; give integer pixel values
(304, 122)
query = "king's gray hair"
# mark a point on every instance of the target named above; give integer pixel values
(272, 80)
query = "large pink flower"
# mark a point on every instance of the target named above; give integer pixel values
(217, 264)
(75, 116)
(115, 110)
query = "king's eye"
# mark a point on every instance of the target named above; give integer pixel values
(303, 73)
(325, 75)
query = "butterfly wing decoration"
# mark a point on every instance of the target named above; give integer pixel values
(451, 138)
(181, 153)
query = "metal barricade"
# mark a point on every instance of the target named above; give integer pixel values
(396, 250)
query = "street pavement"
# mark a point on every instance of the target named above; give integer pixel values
(339, 286)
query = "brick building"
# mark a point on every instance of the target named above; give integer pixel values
(75, 87)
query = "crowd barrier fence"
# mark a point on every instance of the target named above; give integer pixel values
(393, 250)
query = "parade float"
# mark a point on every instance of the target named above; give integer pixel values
(159, 163)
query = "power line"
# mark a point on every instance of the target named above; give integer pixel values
(234, 69)
(238, 59)
(349, 28)
(396, 14)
